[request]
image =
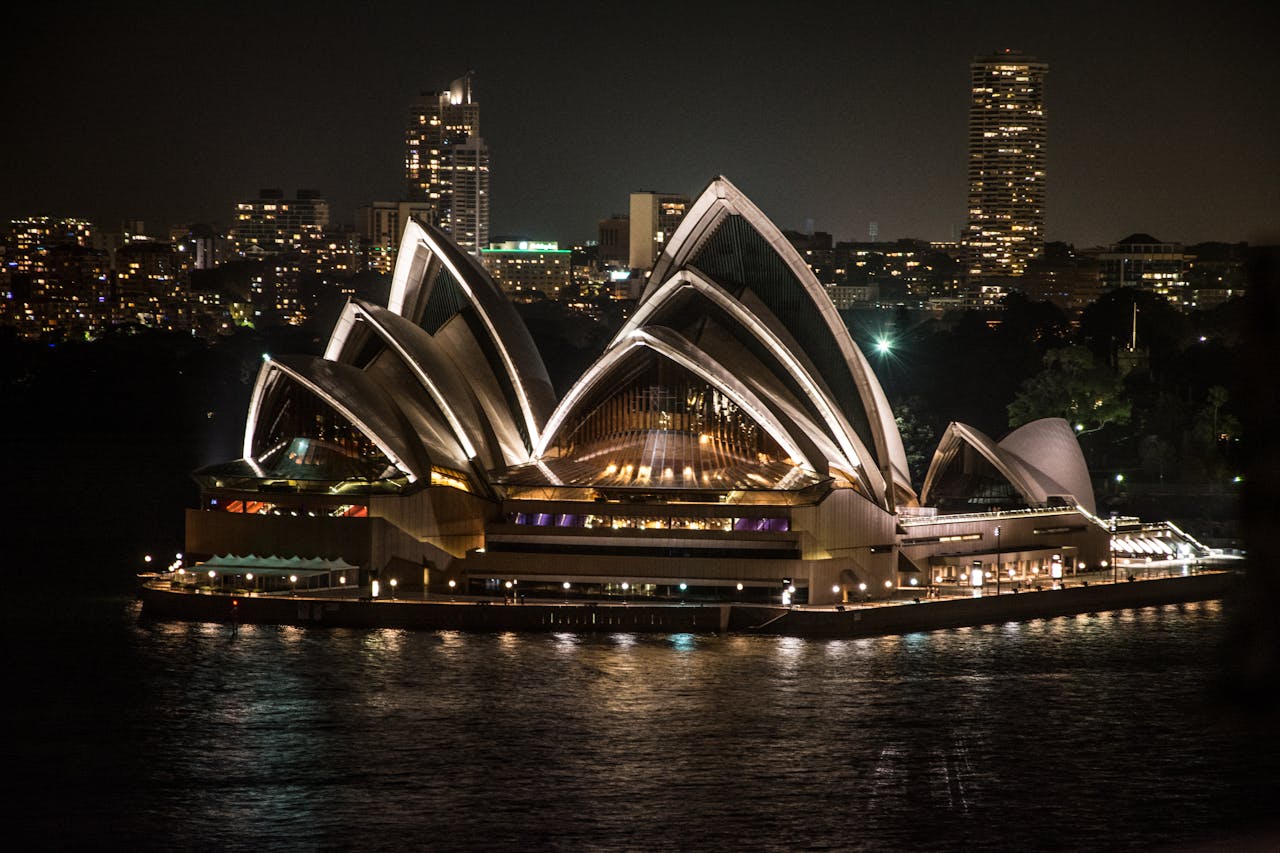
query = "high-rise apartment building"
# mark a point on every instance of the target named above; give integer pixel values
(1144, 262)
(614, 241)
(1006, 164)
(527, 270)
(654, 217)
(447, 163)
(273, 223)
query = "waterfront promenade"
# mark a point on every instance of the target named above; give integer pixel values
(956, 608)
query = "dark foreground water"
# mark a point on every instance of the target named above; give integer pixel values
(1084, 733)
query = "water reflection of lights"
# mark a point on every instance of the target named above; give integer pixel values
(836, 649)
(566, 642)
(790, 647)
(682, 642)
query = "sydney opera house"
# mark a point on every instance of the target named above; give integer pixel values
(731, 443)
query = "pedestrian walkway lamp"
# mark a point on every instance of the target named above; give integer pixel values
(1111, 549)
(997, 532)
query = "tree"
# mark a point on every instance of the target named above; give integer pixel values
(1072, 385)
(918, 438)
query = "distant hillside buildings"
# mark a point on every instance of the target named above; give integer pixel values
(284, 260)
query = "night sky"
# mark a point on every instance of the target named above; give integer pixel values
(1163, 117)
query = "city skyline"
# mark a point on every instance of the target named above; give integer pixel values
(846, 117)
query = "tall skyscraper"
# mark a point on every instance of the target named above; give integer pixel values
(447, 163)
(1006, 164)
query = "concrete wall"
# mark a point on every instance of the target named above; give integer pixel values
(932, 615)
(844, 529)
(451, 519)
(370, 543)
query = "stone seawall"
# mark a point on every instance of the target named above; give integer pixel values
(960, 612)
(928, 615)
(160, 603)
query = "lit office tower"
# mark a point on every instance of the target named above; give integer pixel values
(447, 163)
(1006, 164)
(654, 217)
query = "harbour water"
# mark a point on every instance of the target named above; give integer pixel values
(1100, 731)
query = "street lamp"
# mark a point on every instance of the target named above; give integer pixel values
(1111, 549)
(293, 581)
(997, 532)
(394, 583)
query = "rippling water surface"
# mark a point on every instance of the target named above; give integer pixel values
(1089, 732)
